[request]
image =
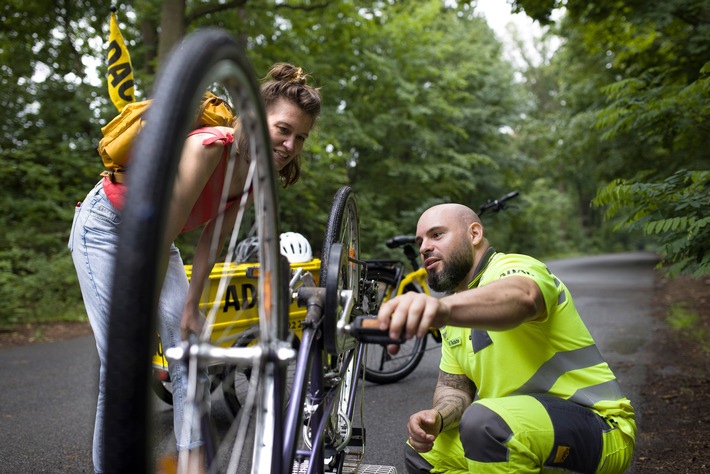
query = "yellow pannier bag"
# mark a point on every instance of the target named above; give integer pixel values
(120, 133)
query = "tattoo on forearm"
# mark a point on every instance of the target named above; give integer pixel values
(459, 382)
(454, 393)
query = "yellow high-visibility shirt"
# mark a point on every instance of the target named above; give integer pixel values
(555, 356)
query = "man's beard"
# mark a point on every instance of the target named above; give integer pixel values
(453, 271)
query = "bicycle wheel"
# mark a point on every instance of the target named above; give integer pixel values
(343, 227)
(164, 390)
(209, 59)
(380, 366)
(342, 361)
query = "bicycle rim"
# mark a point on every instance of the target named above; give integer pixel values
(381, 366)
(209, 59)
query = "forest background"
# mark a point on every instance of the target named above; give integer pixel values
(605, 136)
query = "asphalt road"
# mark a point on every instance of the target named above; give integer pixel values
(48, 391)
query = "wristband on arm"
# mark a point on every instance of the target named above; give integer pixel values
(442, 420)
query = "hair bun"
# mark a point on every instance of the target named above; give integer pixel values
(299, 76)
(288, 73)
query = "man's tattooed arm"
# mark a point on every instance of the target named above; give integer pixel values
(453, 394)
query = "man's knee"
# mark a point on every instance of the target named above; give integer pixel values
(414, 462)
(484, 434)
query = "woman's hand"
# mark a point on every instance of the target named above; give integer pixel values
(191, 322)
(424, 427)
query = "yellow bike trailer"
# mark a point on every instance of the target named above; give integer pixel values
(238, 308)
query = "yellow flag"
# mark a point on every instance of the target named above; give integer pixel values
(120, 71)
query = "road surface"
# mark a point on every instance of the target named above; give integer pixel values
(48, 391)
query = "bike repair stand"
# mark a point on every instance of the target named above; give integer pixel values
(353, 459)
(355, 453)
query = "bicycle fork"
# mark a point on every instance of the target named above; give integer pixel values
(308, 357)
(315, 391)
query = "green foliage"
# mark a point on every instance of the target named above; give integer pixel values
(419, 108)
(425, 115)
(47, 131)
(630, 94)
(45, 290)
(676, 211)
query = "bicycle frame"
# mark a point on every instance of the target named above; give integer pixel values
(418, 278)
(311, 389)
(321, 378)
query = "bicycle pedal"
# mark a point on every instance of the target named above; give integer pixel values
(300, 467)
(354, 451)
(357, 441)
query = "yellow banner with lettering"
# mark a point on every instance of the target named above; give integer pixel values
(120, 71)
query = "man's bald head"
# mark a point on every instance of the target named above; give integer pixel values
(450, 215)
(450, 239)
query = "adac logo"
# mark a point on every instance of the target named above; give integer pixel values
(514, 271)
(562, 454)
(454, 342)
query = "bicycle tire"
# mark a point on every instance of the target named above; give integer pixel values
(206, 57)
(164, 390)
(343, 227)
(380, 366)
(342, 351)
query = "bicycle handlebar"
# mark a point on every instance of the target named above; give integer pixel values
(366, 329)
(497, 204)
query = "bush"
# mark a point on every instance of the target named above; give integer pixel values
(675, 211)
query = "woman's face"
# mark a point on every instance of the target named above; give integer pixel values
(289, 127)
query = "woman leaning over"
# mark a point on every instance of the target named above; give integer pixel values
(292, 107)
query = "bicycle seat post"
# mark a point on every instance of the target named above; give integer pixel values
(412, 256)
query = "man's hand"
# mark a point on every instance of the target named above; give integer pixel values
(424, 427)
(411, 315)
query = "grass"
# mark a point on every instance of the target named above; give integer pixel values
(687, 323)
(69, 315)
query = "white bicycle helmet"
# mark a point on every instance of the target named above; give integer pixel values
(295, 247)
(247, 250)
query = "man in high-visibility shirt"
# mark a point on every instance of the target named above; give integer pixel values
(522, 386)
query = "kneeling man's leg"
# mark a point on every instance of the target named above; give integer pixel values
(446, 456)
(526, 434)
(529, 433)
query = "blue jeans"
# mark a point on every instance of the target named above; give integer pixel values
(92, 242)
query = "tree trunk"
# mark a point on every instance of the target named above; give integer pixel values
(149, 36)
(172, 26)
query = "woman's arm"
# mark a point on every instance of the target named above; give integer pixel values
(203, 262)
(197, 163)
